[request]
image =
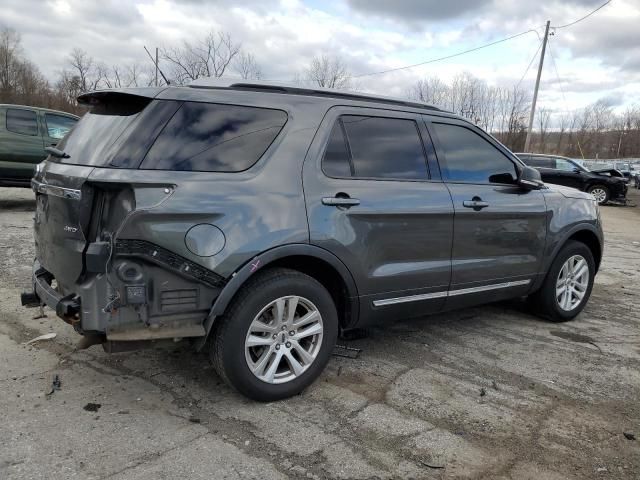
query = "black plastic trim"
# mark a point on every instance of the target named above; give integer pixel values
(166, 258)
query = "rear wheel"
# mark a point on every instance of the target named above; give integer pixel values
(567, 286)
(277, 336)
(600, 192)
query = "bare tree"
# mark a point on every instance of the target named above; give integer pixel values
(432, 91)
(84, 66)
(247, 67)
(209, 57)
(10, 51)
(543, 116)
(328, 72)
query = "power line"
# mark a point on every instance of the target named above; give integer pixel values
(564, 98)
(530, 63)
(447, 56)
(585, 17)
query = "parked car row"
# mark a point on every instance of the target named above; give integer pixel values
(604, 184)
(25, 133)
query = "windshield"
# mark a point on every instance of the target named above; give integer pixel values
(575, 164)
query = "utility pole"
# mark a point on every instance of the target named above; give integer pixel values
(156, 66)
(535, 92)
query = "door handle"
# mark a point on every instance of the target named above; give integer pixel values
(476, 203)
(340, 201)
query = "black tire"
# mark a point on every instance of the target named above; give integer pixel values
(604, 189)
(544, 300)
(227, 347)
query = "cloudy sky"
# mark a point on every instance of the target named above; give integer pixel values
(596, 58)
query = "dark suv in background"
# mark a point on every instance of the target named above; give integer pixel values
(266, 219)
(568, 172)
(25, 132)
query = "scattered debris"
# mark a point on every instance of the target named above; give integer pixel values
(347, 352)
(629, 435)
(92, 407)
(431, 466)
(54, 385)
(46, 336)
(494, 385)
(40, 314)
(483, 392)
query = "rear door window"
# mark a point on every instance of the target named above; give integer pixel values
(375, 147)
(24, 122)
(470, 158)
(58, 125)
(539, 162)
(214, 138)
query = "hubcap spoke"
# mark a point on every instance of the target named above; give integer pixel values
(273, 367)
(292, 304)
(312, 330)
(306, 357)
(260, 327)
(294, 364)
(307, 319)
(284, 339)
(256, 341)
(262, 362)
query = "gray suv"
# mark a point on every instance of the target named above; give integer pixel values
(261, 221)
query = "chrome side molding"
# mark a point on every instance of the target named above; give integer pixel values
(449, 293)
(62, 192)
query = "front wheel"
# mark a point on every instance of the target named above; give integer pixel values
(600, 192)
(567, 286)
(277, 336)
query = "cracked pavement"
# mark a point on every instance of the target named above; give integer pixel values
(489, 392)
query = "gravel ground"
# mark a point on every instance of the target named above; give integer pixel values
(489, 392)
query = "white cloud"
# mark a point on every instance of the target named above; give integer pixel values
(598, 57)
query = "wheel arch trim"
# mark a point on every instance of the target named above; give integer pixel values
(566, 236)
(263, 260)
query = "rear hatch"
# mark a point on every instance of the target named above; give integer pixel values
(65, 201)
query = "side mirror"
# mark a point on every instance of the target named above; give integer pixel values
(576, 170)
(530, 179)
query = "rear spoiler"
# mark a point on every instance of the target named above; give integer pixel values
(119, 94)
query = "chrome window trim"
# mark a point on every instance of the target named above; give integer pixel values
(449, 293)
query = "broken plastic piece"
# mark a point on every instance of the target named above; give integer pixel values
(46, 336)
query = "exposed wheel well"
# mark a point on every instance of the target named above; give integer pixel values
(328, 276)
(591, 241)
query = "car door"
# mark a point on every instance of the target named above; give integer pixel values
(374, 203)
(22, 145)
(567, 173)
(499, 227)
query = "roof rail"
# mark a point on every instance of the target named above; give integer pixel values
(268, 87)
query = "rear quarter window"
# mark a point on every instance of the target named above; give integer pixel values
(24, 122)
(214, 138)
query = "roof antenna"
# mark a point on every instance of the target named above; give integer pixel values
(157, 67)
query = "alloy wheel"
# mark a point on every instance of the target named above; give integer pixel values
(572, 283)
(599, 194)
(284, 339)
